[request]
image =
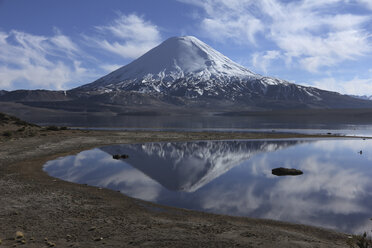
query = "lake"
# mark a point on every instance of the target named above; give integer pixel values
(208, 123)
(234, 178)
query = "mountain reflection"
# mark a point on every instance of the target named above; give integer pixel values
(189, 166)
(234, 177)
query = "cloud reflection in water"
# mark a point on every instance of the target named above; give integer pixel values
(234, 177)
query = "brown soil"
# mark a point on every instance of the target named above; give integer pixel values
(51, 212)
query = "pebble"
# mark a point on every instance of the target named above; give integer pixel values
(98, 239)
(19, 235)
(50, 244)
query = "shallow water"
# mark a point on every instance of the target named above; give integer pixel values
(234, 177)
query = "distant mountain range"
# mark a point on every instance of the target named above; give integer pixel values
(183, 74)
(364, 97)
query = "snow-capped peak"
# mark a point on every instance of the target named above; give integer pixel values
(175, 58)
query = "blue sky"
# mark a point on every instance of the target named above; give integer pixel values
(61, 44)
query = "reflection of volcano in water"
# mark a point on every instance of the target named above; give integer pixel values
(190, 165)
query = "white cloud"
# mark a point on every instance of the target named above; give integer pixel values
(48, 62)
(229, 20)
(110, 67)
(310, 34)
(133, 36)
(367, 3)
(313, 37)
(57, 62)
(63, 42)
(228, 28)
(263, 60)
(356, 86)
(313, 52)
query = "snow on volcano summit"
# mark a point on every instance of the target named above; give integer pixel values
(184, 56)
(175, 58)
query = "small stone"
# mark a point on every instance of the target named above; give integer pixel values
(23, 241)
(45, 239)
(19, 235)
(50, 244)
(98, 239)
(32, 238)
(92, 228)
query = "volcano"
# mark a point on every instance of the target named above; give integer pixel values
(186, 71)
(185, 75)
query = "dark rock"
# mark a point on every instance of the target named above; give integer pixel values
(124, 156)
(286, 172)
(118, 156)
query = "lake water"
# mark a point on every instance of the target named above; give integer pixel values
(209, 123)
(234, 177)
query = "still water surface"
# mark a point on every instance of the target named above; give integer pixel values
(234, 177)
(210, 123)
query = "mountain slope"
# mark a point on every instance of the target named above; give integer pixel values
(186, 71)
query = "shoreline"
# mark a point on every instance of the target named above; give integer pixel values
(73, 215)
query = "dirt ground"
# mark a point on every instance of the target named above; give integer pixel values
(48, 212)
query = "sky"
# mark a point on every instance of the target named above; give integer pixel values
(62, 44)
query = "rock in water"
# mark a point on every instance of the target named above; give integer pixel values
(118, 156)
(286, 172)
